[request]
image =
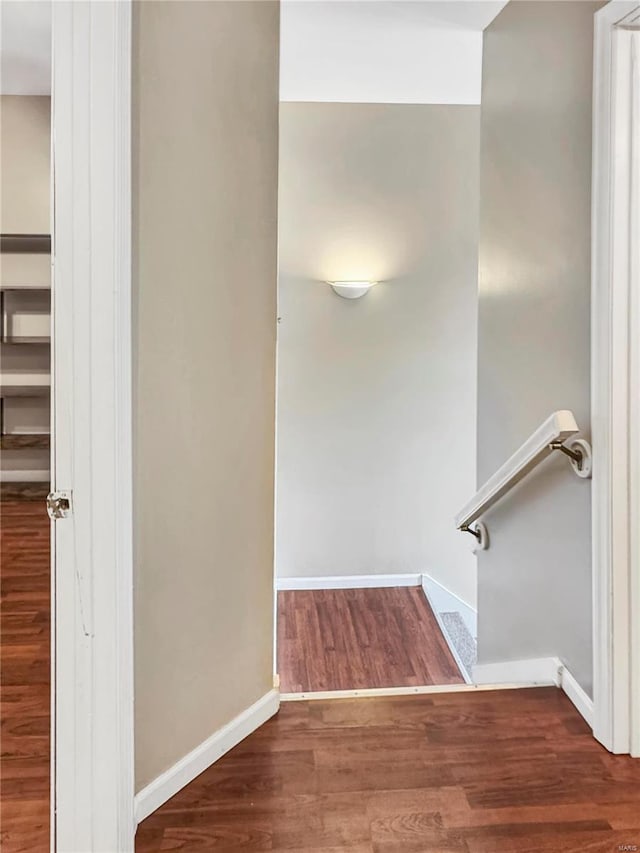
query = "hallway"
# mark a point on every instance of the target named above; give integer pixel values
(351, 639)
(479, 772)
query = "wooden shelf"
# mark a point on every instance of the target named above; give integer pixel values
(34, 244)
(25, 441)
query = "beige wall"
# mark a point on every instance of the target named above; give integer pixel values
(376, 397)
(205, 196)
(25, 124)
(534, 583)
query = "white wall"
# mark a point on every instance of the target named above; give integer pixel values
(417, 52)
(25, 47)
(376, 397)
(534, 582)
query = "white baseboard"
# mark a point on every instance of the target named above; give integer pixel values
(542, 671)
(348, 582)
(577, 695)
(442, 600)
(445, 635)
(214, 747)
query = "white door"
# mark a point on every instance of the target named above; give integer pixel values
(93, 706)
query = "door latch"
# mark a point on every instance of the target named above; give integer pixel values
(59, 505)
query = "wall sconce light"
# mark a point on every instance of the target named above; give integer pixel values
(351, 289)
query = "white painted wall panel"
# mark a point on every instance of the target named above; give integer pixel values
(534, 582)
(376, 397)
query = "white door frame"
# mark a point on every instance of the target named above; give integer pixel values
(615, 378)
(92, 735)
(93, 589)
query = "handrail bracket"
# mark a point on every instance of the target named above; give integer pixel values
(579, 452)
(576, 455)
(481, 535)
(467, 529)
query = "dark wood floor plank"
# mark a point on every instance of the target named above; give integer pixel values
(483, 772)
(351, 639)
(25, 674)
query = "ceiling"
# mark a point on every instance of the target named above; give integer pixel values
(383, 51)
(25, 41)
(438, 14)
(461, 14)
(25, 47)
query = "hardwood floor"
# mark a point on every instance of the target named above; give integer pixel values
(513, 771)
(480, 772)
(24, 676)
(348, 639)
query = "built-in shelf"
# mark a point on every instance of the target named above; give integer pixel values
(25, 268)
(30, 476)
(25, 441)
(28, 288)
(33, 244)
(25, 271)
(25, 339)
(25, 389)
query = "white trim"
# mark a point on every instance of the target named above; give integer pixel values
(195, 762)
(380, 692)
(634, 403)
(558, 427)
(442, 600)
(537, 672)
(614, 322)
(52, 526)
(92, 414)
(534, 671)
(445, 634)
(577, 695)
(348, 582)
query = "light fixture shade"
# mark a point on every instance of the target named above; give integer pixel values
(351, 289)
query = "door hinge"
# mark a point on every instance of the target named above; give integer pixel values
(59, 505)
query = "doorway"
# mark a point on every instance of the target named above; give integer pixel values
(101, 801)
(71, 384)
(376, 393)
(25, 425)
